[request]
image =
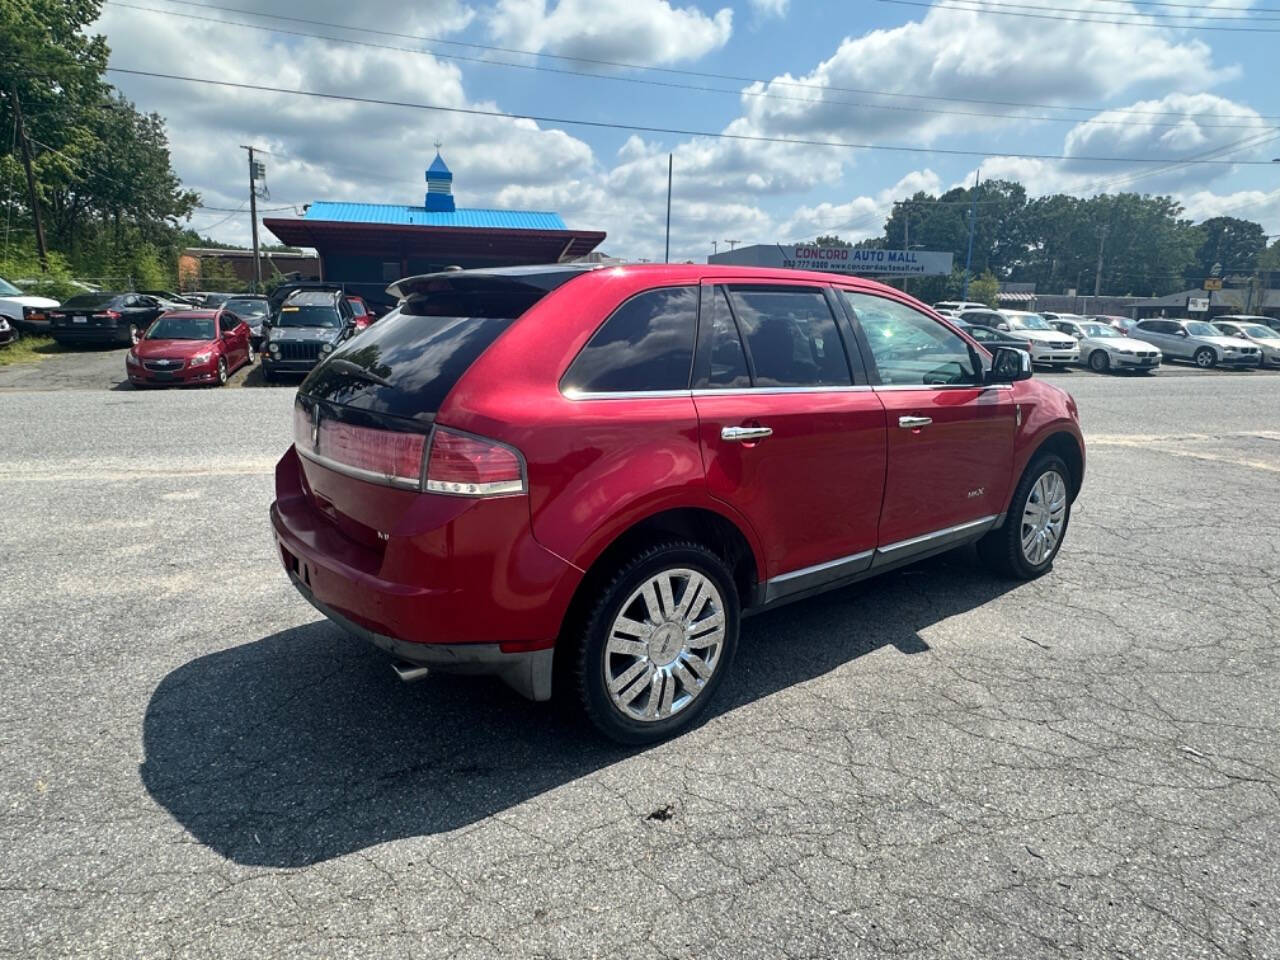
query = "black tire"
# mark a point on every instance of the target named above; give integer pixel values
(1099, 362)
(222, 372)
(1001, 549)
(253, 355)
(1205, 358)
(268, 374)
(589, 659)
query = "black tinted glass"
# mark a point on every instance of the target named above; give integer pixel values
(792, 337)
(646, 344)
(728, 361)
(405, 364)
(91, 300)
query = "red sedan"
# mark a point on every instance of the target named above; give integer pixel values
(364, 316)
(190, 346)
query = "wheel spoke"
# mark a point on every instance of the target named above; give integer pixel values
(668, 694)
(706, 623)
(627, 675)
(627, 647)
(691, 683)
(665, 595)
(655, 695)
(652, 604)
(633, 627)
(702, 641)
(700, 666)
(691, 600)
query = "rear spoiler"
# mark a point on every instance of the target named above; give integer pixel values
(545, 278)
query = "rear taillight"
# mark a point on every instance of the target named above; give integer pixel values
(106, 315)
(469, 466)
(382, 456)
(458, 464)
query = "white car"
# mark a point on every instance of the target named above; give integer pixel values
(17, 307)
(1103, 348)
(1262, 337)
(1048, 346)
(956, 307)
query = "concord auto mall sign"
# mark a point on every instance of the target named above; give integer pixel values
(808, 256)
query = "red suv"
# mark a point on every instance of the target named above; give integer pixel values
(592, 473)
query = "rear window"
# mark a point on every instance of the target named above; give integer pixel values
(91, 300)
(405, 364)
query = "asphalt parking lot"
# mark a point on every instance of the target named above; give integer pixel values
(934, 763)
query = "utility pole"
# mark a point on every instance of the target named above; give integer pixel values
(715, 247)
(41, 249)
(906, 239)
(973, 216)
(1097, 274)
(667, 256)
(256, 170)
(732, 243)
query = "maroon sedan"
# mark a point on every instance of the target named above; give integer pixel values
(190, 346)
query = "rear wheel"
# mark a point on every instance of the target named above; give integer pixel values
(1033, 531)
(657, 643)
(1205, 358)
(1099, 361)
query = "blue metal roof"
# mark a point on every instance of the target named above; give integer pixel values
(394, 214)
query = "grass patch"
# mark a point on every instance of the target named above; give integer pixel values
(28, 350)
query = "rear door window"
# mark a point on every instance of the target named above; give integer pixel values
(791, 337)
(645, 345)
(728, 360)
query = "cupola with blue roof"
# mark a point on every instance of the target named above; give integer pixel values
(439, 197)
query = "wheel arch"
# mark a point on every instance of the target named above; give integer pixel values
(711, 529)
(1064, 445)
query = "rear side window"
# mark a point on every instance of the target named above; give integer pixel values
(791, 336)
(728, 361)
(646, 344)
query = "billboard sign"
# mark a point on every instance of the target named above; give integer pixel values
(810, 256)
(1197, 305)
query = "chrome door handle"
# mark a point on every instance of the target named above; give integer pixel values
(745, 434)
(914, 423)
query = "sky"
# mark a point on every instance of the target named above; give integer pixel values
(955, 90)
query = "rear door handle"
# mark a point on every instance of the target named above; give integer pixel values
(745, 434)
(914, 423)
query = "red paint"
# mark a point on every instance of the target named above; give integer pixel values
(838, 477)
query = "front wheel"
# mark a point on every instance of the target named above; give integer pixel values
(134, 334)
(1036, 524)
(222, 371)
(1205, 358)
(252, 355)
(657, 643)
(1099, 361)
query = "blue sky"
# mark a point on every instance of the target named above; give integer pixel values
(860, 71)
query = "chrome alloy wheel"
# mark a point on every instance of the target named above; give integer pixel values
(1043, 517)
(666, 640)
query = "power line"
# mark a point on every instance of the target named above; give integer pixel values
(674, 71)
(820, 99)
(952, 5)
(1135, 16)
(674, 131)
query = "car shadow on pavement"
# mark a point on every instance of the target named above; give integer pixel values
(303, 746)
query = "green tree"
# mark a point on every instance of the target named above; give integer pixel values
(1228, 243)
(832, 240)
(985, 288)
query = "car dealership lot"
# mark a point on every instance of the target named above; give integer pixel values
(933, 761)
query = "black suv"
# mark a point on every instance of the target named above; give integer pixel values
(307, 328)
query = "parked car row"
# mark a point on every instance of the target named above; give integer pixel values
(1105, 343)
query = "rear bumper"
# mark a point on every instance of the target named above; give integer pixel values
(528, 673)
(89, 334)
(447, 583)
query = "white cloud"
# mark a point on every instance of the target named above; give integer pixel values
(639, 31)
(952, 54)
(764, 9)
(861, 217)
(1257, 205)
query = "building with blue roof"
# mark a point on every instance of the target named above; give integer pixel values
(367, 246)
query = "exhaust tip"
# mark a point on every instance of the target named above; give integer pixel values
(408, 672)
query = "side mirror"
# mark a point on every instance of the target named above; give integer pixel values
(1078, 335)
(1181, 332)
(1009, 365)
(1002, 326)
